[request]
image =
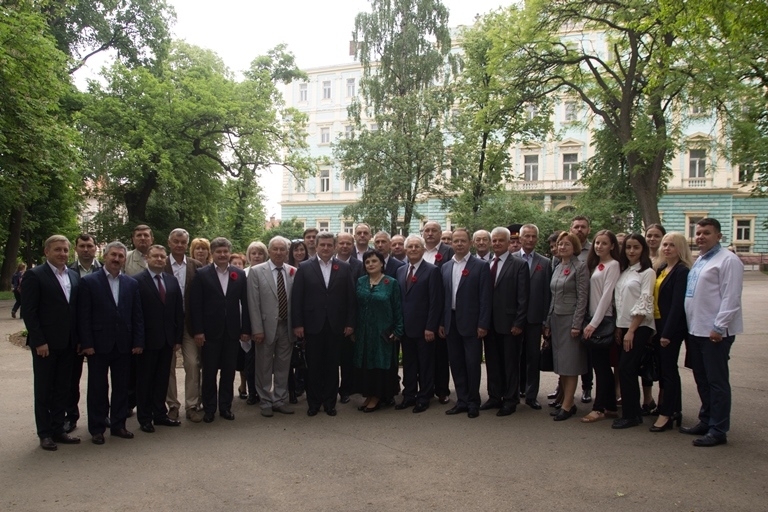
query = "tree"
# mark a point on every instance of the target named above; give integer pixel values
(403, 46)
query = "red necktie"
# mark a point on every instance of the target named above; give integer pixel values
(409, 280)
(160, 287)
(493, 270)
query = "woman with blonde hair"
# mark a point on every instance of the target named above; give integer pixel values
(671, 328)
(200, 249)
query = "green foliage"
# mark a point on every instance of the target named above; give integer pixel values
(290, 229)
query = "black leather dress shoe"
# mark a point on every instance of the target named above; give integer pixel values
(167, 422)
(522, 394)
(533, 404)
(586, 396)
(420, 408)
(443, 399)
(491, 404)
(699, 429)
(46, 443)
(456, 410)
(209, 417)
(122, 433)
(227, 415)
(65, 438)
(344, 399)
(709, 440)
(554, 394)
(506, 410)
(473, 413)
(626, 422)
(387, 402)
(311, 411)
(147, 427)
(404, 405)
(97, 439)
(563, 415)
(555, 404)
(69, 426)
(253, 400)
(332, 412)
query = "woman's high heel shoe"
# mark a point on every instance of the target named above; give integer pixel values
(669, 425)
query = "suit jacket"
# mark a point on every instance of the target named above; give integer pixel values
(445, 252)
(211, 312)
(423, 303)
(672, 325)
(104, 325)
(263, 303)
(312, 303)
(192, 267)
(358, 270)
(473, 297)
(392, 265)
(570, 292)
(540, 294)
(510, 295)
(94, 266)
(163, 321)
(49, 318)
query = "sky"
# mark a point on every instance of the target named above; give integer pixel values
(316, 31)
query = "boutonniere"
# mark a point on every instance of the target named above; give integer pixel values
(233, 276)
(438, 257)
(465, 272)
(386, 281)
(566, 271)
(335, 267)
(601, 267)
(538, 268)
(293, 271)
(413, 279)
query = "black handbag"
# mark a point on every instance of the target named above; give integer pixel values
(299, 355)
(603, 335)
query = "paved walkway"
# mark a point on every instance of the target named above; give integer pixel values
(395, 460)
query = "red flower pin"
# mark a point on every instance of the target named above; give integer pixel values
(538, 268)
(601, 267)
(465, 272)
(335, 267)
(386, 281)
(293, 271)
(413, 279)
(566, 271)
(438, 257)
(233, 276)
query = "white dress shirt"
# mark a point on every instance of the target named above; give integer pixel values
(502, 258)
(62, 276)
(180, 272)
(223, 276)
(325, 268)
(458, 269)
(114, 285)
(634, 297)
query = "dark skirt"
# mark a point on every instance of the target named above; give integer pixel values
(375, 382)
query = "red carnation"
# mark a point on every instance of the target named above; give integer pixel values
(293, 271)
(438, 257)
(537, 269)
(413, 279)
(465, 272)
(386, 281)
(600, 267)
(566, 271)
(335, 267)
(233, 276)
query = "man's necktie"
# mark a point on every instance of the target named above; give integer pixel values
(493, 270)
(409, 281)
(282, 296)
(160, 287)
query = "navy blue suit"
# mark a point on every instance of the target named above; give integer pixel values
(422, 301)
(472, 312)
(392, 265)
(113, 331)
(324, 313)
(50, 320)
(221, 319)
(347, 386)
(442, 374)
(163, 329)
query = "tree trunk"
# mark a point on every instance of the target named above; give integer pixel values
(645, 188)
(11, 251)
(136, 200)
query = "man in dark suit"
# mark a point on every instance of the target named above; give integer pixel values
(85, 263)
(345, 245)
(438, 253)
(539, 297)
(509, 280)
(362, 240)
(422, 291)
(161, 303)
(323, 314)
(184, 269)
(398, 247)
(466, 321)
(111, 327)
(49, 303)
(383, 243)
(218, 304)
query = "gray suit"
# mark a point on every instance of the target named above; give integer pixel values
(273, 355)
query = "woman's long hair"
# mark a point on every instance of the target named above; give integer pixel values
(593, 260)
(645, 255)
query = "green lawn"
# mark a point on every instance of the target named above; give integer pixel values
(6, 295)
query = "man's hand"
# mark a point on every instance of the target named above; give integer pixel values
(715, 337)
(245, 337)
(481, 333)
(516, 331)
(137, 350)
(258, 338)
(664, 342)
(441, 331)
(176, 348)
(298, 332)
(199, 340)
(429, 336)
(88, 351)
(42, 350)
(348, 331)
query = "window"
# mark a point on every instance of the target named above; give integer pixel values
(374, 127)
(697, 165)
(570, 166)
(327, 90)
(298, 186)
(690, 221)
(348, 227)
(531, 167)
(325, 180)
(325, 135)
(742, 240)
(349, 185)
(571, 111)
(697, 110)
(531, 111)
(746, 173)
(349, 132)
(350, 88)
(323, 225)
(302, 92)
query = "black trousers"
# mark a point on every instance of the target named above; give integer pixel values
(323, 350)
(17, 304)
(73, 403)
(502, 363)
(530, 354)
(629, 368)
(346, 353)
(442, 368)
(154, 369)
(710, 370)
(51, 380)
(218, 355)
(465, 354)
(100, 368)
(587, 378)
(418, 369)
(669, 378)
(605, 389)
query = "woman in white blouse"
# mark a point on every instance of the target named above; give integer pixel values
(634, 323)
(604, 270)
